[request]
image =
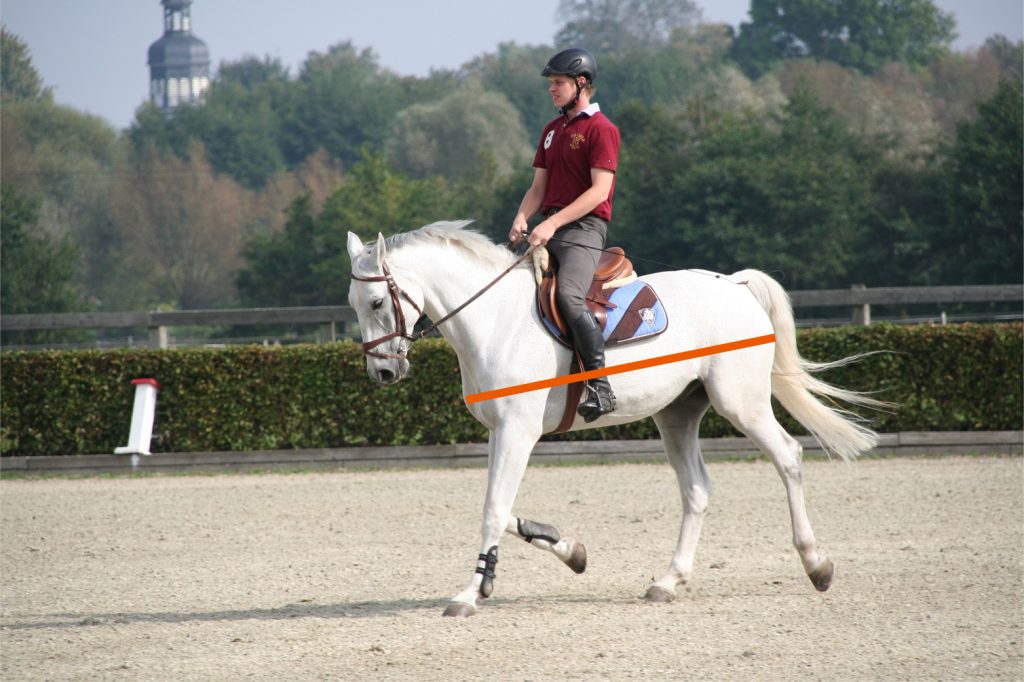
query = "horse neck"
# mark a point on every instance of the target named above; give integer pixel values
(448, 278)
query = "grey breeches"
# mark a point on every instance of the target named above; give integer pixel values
(576, 264)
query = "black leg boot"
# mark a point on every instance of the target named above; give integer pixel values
(589, 344)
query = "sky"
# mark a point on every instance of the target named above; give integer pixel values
(92, 53)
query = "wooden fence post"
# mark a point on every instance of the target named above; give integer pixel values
(326, 333)
(158, 337)
(861, 312)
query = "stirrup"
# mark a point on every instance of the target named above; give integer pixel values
(600, 401)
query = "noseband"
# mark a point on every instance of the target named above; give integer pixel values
(402, 331)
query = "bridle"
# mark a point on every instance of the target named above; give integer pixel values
(396, 293)
(402, 330)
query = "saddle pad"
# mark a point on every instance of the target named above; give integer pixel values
(637, 314)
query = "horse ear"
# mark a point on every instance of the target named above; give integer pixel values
(381, 250)
(355, 245)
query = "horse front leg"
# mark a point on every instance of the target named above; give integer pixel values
(544, 536)
(509, 450)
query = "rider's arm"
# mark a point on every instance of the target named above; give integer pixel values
(530, 204)
(601, 180)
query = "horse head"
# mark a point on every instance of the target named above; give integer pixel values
(384, 310)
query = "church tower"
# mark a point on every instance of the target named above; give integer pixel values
(179, 63)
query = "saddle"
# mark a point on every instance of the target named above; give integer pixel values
(626, 309)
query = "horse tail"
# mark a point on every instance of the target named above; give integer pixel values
(839, 431)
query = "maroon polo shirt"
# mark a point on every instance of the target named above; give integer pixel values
(569, 149)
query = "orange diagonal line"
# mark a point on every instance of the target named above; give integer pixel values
(620, 369)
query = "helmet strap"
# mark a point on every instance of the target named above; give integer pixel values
(575, 100)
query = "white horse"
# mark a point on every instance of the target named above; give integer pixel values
(501, 342)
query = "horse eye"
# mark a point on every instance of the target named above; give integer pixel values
(378, 303)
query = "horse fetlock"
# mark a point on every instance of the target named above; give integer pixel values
(490, 561)
(821, 577)
(572, 553)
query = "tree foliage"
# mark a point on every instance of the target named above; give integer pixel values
(181, 227)
(307, 263)
(787, 197)
(39, 271)
(18, 77)
(615, 26)
(456, 136)
(870, 161)
(981, 243)
(862, 34)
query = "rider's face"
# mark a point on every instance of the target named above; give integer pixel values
(562, 90)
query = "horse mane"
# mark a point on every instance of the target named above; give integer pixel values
(454, 233)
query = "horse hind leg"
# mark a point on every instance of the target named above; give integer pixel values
(750, 412)
(818, 567)
(679, 425)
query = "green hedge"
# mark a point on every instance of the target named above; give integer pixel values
(962, 377)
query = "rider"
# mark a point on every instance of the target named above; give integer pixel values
(573, 183)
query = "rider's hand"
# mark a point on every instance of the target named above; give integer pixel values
(542, 233)
(519, 229)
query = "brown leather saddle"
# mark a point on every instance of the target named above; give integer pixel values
(613, 269)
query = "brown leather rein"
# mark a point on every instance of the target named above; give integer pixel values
(402, 330)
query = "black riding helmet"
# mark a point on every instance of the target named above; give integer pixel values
(573, 62)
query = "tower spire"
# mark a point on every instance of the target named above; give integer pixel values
(179, 62)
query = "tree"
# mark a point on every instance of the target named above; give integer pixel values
(181, 226)
(72, 163)
(240, 130)
(251, 72)
(862, 34)
(1009, 55)
(893, 102)
(981, 243)
(614, 26)
(455, 136)
(342, 101)
(790, 196)
(280, 268)
(39, 272)
(18, 77)
(307, 264)
(514, 71)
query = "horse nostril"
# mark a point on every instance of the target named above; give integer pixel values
(385, 376)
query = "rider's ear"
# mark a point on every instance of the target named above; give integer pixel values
(355, 245)
(381, 250)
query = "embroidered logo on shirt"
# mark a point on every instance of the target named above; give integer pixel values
(547, 140)
(576, 141)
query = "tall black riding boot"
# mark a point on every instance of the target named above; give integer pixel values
(589, 342)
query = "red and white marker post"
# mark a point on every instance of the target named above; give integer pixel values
(143, 415)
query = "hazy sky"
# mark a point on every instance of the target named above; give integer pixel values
(93, 52)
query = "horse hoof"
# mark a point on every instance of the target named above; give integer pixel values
(822, 576)
(459, 609)
(577, 560)
(659, 595)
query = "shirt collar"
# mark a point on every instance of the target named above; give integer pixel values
(591, 109)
